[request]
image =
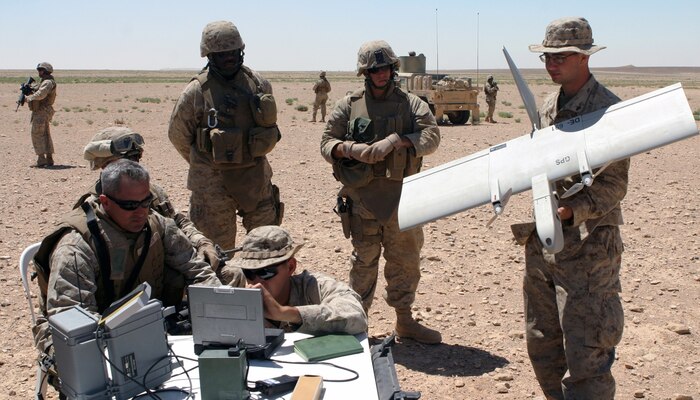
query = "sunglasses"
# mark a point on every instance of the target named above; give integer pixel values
(265, 274)
(557, 59)
(127, 142)
(375, 70)
(131, 205)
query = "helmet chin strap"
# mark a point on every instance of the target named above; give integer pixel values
(388, 83)
(227, 73)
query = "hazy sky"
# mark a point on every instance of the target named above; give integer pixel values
(306, 35)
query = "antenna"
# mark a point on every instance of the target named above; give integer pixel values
(437, 48)
(477, 49)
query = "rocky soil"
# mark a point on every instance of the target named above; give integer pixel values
(471, 284)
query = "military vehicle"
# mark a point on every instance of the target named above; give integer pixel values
(447, 96)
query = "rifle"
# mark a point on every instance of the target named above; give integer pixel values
(25, 90)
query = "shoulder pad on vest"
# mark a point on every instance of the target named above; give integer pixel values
(74, 220)
(358, 94)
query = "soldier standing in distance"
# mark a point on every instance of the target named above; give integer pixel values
(374, 138)
(41, 104)
(491, 90)
(321, 88)
(223, 125)
(573, 313)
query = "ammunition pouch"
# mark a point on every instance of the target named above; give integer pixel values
(353, 173)
(262, 140)
(264, 110)
(361, 130)
(224, 144)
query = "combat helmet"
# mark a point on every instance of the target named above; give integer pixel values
(112, 144)
(322, 74)
(44, 65)
(220, 36)
(375, 54)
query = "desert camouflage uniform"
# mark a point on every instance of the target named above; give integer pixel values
(75, 271)
(213, 205)
(161, 205)
(491, 90)
(374, 217)
(325, 305)
(321, 88)
(572, 306)
(41, 104)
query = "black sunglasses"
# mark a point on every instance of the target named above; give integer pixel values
(265, 274)
(131, 205)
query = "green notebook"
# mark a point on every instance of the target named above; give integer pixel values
(329, 346)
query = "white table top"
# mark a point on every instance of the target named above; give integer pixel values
(364, 387)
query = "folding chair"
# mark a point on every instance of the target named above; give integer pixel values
(24, 259)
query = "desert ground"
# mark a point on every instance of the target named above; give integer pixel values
(471, 275)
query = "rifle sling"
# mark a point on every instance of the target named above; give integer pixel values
(102, 252)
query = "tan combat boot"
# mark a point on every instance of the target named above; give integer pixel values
(407, 327)
(49, 160)
(41, 161)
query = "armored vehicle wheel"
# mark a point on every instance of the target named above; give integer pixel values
(458, 117)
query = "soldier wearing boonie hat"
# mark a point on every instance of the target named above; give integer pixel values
(572, 349)
(305, 302)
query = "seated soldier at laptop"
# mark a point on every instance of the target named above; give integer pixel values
(103, 250)
(305, 302)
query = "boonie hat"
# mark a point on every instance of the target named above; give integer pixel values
(265, 246)
(567, 34)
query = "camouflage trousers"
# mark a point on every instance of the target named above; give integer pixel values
(320, 101)
(573, 313)
(213, 209)
(41, 133)
(401, 252)
(492, 108)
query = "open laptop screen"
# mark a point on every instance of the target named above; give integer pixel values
(223, 315)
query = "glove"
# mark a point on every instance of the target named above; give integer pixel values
(208, 251)
(379, 150)
(354, 151)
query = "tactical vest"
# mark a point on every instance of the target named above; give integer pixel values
(47, 102)
(372, 120)
(152, 271)
(239, 124)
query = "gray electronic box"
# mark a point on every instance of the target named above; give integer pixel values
(137, 348)
(77, 354)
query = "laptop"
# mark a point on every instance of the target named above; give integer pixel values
(223, 316)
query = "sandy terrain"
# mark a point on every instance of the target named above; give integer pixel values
(471, 285)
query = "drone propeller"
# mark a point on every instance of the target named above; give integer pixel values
(499, 206)
(586, 180)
